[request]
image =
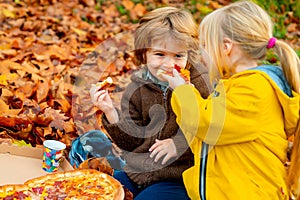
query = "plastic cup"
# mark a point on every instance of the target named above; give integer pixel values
(53, 154)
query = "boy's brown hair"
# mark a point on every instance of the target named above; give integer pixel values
(163, 23)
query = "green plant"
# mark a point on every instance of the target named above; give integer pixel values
(298, 52)
(271, 58)
(279, 9)
(279, 26)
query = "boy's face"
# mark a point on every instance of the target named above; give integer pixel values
(164, 55)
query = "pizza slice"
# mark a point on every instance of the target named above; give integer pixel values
(105, 83)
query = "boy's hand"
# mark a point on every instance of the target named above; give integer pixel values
(101, 99)
(163, 148)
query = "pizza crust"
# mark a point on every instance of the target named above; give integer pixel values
(42, 179)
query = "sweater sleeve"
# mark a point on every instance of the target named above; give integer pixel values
(127, 133)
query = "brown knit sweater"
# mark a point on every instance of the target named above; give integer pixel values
(146, 114)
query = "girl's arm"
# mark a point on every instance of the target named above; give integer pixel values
(229, 115)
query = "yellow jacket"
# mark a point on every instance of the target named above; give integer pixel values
(238, 136)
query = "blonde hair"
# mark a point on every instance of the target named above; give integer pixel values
(250, 27)
(163, 23)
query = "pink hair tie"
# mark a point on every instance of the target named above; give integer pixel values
(271, 43)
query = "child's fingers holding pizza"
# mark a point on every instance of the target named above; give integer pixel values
(174, 80)
(102, 85)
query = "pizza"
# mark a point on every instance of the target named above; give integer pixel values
(85, 184)
(105, 83)
(185, 73)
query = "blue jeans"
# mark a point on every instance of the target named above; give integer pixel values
(164, 190)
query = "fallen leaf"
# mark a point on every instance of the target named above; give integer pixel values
(292, 27)
(128, 4)
(42, 91)
(8, 13)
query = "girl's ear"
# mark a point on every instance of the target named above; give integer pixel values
(228, 44)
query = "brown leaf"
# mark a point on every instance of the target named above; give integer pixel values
(62, 53)
(128, 5)
(62, 104)
(9, 52)
(25, 90)
(58, 118)
(138, 11)
(8, 65)
(42, 91)
(292, 27)
(6, 111)
(17, 126)
(47, 131)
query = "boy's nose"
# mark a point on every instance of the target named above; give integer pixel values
(169, 62)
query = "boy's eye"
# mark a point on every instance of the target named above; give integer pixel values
(159, 54)
(179, 55)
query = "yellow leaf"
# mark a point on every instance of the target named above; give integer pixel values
(8, 13)
(21, 143)
(78, 31)
(84, 50)
(3, 79)
(5, 46)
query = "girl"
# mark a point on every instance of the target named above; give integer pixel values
(155, 149)
(239, 134)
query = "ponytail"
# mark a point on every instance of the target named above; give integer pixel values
(290, 64)
(293, 179)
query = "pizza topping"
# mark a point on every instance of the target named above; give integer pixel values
(17, 195)
(38, 190)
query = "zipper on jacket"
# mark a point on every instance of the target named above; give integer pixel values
(165, 98)
(158, 135)
(165, 107)
(202, 177)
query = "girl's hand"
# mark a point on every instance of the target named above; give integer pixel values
(163, 148)
(174, 80)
